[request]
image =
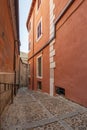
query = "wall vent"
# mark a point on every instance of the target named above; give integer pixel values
(60, 90)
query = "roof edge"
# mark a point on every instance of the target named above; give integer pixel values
(30, 12)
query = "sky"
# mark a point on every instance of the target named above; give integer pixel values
(24, 6)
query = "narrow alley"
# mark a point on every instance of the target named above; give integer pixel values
(43, 65)
(38, 111)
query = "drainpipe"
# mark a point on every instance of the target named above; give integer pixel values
(15, 42)
(33, 54)
(19, 44)
(14, 67)
(19, 72)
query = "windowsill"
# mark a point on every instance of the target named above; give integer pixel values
(39, 77)
(38, 38)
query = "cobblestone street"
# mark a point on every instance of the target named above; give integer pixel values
(38, 111)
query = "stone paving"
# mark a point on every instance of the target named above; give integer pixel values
(38, 111)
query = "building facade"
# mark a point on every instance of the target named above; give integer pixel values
(57, 48)
(9, 41)
(24, 69)
(9, 50)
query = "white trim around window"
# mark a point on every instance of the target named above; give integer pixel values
(39, 73)
(37, 9)
(39, 30)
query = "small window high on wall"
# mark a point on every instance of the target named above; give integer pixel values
(39, 3)
(39, 29)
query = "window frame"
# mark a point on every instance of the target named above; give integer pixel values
(37, 71)
(38, 4)
(38, 38)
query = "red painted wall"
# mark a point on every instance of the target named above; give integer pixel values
(35, 17)
(7, 44)
(6, 38)
(71, 55)
(70, 46)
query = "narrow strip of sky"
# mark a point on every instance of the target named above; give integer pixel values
(24, 7)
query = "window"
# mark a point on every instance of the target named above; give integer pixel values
(39, 85)
(38, 5)
(39, 67)
(39, 30)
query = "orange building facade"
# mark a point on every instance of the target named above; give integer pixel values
(9, 41)
(57, 48)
